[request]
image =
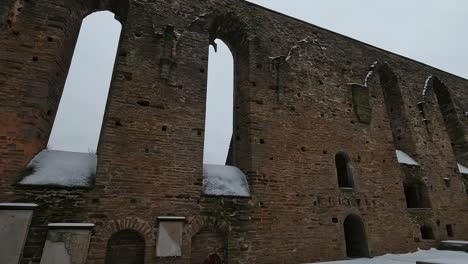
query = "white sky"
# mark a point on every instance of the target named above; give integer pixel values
(430, 31)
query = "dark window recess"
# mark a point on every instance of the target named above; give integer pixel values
(449, 230)
(426, 232)
(343, 171)
(416, 194)
(144, 103)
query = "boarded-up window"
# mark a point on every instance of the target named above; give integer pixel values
(67, 243)
(170, 239)
(361, 103)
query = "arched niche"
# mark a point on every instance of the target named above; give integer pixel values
(125, 247)
(355, 237)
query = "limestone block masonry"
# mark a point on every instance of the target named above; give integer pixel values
(304, 96)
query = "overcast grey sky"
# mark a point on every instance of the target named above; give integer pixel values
(431, 31)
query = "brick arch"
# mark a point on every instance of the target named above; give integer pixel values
(126, 247)
(212, 236)
(230, 29)
(119, 7)
(194, 226)
(128, 223)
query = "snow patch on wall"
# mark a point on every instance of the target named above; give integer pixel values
(220, 180)
(462, 169)
(404, 158)
(62, 168)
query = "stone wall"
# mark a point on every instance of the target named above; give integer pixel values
(294, 112)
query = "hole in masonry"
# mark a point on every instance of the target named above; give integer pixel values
(117, 123)
(262, 141)
(335, 220)
(50, 39)
(35, 58)
(144, 103)
(202, 70)
(164, 128)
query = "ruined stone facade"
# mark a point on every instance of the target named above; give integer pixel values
(302, 96)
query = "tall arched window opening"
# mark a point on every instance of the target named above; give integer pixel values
(355, 237)
(70, 158)
(219, 105)
(77, 125)
(452, 123)
(343, 171)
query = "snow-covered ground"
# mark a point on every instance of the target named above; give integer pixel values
(430, 256)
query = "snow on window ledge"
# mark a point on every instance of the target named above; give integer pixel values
(61, 168)
(171, 218)
(70, 226)
(17, 206)
(462, 169)
(404, 158)
(221, 180)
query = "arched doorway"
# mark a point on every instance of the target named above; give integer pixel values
(355, 237)
(126, 247)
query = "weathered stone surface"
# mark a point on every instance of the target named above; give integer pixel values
(170, 239)
(294, 112)
(14, 226)
(66, 246)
